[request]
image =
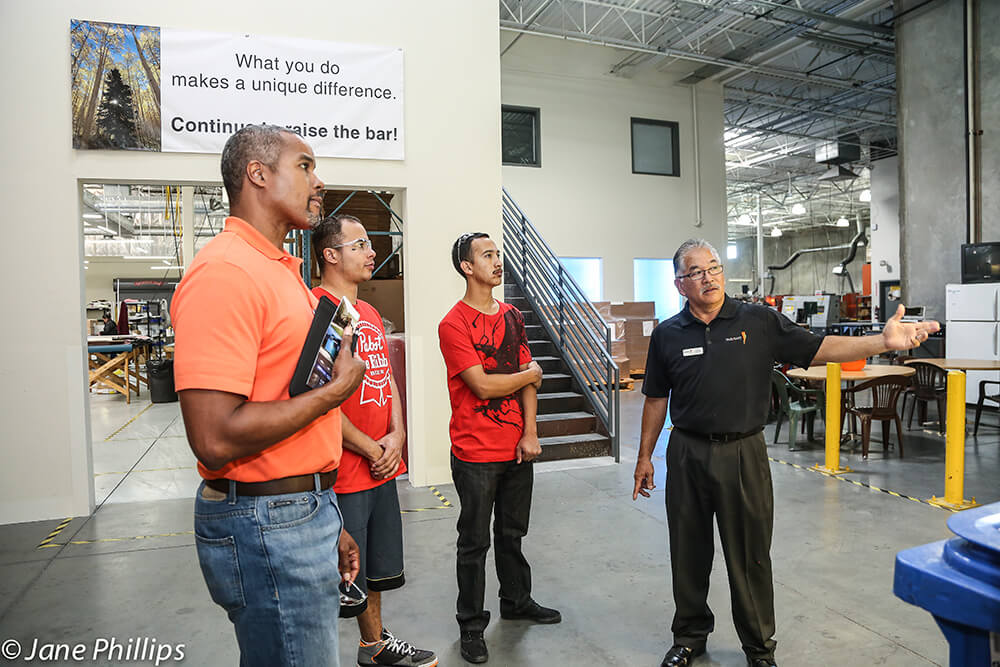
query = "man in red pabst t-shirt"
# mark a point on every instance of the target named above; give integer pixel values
(492, 382)
(373, 443)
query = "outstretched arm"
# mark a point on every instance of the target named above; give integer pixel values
(897, 335)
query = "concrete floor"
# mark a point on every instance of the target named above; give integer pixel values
(130, 570)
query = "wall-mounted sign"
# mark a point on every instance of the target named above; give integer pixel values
(160, 89)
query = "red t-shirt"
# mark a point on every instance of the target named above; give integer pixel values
(370, 407)
(483, 431)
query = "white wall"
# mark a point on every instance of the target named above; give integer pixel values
(885, 225)
(586, 177)
(450, 177)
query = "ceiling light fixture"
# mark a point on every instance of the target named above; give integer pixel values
(93, 216)
(775, 232)
(866, 195)
(843, 222)
(798, 209)
(744, 219)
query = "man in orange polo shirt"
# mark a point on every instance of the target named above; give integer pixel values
(373, 444)
(266, 518)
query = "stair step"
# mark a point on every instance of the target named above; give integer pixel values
(553, 382)
(535, 332)
(583, 445)
(530, 317)
(549, 363)
(512, 289)
(565, 423)
(559, 401)
(545, 347)
(518, 302)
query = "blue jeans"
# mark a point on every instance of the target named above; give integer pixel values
(271, 563)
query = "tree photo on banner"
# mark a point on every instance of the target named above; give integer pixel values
(115, 80)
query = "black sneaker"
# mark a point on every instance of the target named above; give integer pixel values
(391, 651)
(531, 612)
(474, 646)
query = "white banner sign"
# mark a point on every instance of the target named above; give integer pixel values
(344, 100)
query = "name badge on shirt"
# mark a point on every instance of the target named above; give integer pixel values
(693, 351)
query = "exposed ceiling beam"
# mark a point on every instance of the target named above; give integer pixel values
(781, 73)
(826, 18)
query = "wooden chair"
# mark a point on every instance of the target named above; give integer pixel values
(885, 396)
(805, 404)
(930, 383)
(983, 396)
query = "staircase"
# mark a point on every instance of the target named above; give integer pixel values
(567, 428)
(578, 403)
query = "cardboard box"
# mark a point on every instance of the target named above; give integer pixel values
(624, 367)
(618, 348)
(603, 308)
(616, 327)
(387, 297)
(637, 333)
(633, 309)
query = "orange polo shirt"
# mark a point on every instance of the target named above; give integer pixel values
(240, 317)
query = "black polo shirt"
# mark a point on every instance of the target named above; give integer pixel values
(719, 375)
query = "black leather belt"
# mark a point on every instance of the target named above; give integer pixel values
(275, 487)
(718, 437)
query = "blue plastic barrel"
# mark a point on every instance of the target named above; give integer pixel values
(958, 581)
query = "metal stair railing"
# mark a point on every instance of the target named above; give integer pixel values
(571, 320)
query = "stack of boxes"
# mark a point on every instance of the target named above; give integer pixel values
(630, 324)
(640, 320)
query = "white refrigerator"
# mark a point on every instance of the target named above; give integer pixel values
(973, 330)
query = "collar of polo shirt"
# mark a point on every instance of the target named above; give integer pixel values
(728, 311)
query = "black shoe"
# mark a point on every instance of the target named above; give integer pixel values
(680, 656)
(761, 662)
(474, 647)
(531, 612)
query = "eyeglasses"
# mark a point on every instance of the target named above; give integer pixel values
(359, 244)
(700, 273)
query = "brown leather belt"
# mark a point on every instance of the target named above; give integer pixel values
(275, 487)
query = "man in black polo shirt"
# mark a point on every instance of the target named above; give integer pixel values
(714, 361)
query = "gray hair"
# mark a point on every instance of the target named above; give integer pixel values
(688, 246)
(251, 142)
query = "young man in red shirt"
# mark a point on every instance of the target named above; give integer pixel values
(492, 382)
(373, 434)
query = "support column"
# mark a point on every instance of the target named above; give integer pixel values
(187, 225)
(760, 251)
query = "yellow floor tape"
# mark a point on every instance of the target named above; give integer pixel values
(857, 483)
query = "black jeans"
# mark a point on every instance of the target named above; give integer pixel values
(503, 489)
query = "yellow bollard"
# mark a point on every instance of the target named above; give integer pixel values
(832, 465)
(954, 448)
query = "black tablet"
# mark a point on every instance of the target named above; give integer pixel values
(315, 365)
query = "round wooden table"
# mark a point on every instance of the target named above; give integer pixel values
(961, 364)
(818, 373)
(871, 371)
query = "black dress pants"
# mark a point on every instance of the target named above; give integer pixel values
(731, 481)
(503, 490)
